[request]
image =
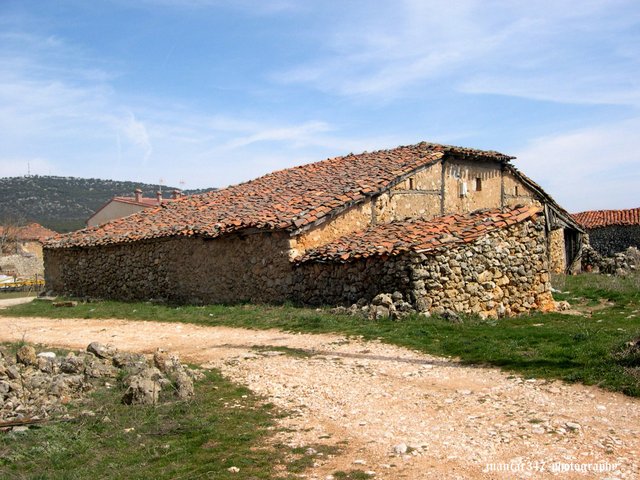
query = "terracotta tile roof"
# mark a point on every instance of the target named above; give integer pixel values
(143, 202)
(287, 199)
(605, 218)
(32, 232)
(417, 235)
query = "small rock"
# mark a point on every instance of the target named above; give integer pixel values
(100, 350)
(20, 429)
(184, 385)
(573, 426)
(45, 364)
(26, 355)
(72, 364)
(50, 355)
(68, 303)
(400, 449)
(359, 462)
(129, 360)
(233, 469)
(143, 391)
(383, 299)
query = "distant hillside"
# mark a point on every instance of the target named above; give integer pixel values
(64, 203)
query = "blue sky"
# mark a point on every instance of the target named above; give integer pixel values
(214, 92)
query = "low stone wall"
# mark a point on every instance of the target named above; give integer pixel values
(188, 270)
(615, 238)
(504, 273)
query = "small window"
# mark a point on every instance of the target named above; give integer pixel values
(478, 184)
(412, 184)
(516, 190)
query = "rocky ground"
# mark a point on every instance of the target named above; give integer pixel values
(36, 386)
(395, 412)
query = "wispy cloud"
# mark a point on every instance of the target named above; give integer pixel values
(592, 168)
(258, 7)
(70, 113)
(544, 50)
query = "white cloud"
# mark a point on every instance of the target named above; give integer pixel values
(588, 169)
(544, 50)
(82, 125)
(136, 132)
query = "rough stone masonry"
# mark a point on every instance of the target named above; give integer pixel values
(503, 273)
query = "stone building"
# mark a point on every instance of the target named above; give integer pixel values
(611, 231)
(273, 239)
(21, 249)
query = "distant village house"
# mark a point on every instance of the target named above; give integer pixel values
(119, 207)
(21, 249)
(611, 231)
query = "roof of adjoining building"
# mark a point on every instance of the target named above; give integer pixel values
(287, 199)
(143, 202)
(417, 235)
(30, 232)
(605, 218)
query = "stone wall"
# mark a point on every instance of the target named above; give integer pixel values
(358, 217)
(506, 272)
(485, 194)
(188, 270)
(418, 196)
(503, 273)
(615, 238)
(22, 266)
(515, 192)
(557, 253)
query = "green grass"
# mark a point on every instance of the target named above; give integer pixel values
(588, 349)
(224, 426)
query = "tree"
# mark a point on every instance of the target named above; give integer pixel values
(9, 234)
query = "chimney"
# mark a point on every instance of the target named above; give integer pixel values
(159, 197)
(138, 193)
(176, 194)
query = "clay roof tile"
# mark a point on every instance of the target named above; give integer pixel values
(417, 235)
(288, 199)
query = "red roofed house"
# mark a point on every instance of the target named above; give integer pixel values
(449, 228)
(27, 238)
(119, 207)
(611, 231)
(21, 249)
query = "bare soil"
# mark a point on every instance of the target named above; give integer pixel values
(457, 421)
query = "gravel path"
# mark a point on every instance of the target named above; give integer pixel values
(455, 421)
(10, 302)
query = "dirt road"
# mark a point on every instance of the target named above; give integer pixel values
(455, 421)
(10, 302)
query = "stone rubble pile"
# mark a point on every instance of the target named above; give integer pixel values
(39, 385)
(383, 306)
(621, 263)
